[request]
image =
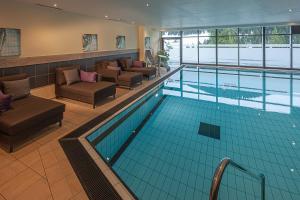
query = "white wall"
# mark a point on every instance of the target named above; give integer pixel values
(51, 32)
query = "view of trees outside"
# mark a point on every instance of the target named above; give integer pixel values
(251, 46)
(228, 46)
(245, 43)
(278, 46)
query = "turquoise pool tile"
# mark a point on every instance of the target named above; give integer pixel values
(169, 160)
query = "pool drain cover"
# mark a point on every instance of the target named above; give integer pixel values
(209, 130)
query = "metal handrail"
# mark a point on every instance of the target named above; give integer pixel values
(214, 190)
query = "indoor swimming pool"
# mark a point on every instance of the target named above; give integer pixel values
(163, 147)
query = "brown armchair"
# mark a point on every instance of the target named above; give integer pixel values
(115, 74)
(127, 64)
(106, 74)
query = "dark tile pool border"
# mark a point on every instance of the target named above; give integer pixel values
(136, 132)
(71, 144)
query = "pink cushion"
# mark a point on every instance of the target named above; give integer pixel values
(139, 64)
(88, 76)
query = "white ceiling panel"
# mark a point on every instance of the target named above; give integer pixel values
(185, 13)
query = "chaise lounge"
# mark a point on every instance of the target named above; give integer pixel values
(88, 92)
(127, 64)
(26, 115)
(111, 71)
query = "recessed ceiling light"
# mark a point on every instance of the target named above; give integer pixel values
(106, 16)
(290, 10)
(148, 4)
(55, 5)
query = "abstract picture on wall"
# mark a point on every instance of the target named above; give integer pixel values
(90, 42)
(10, 42)
(147, 42)
(120, 42)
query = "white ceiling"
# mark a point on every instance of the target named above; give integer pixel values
(185, 13)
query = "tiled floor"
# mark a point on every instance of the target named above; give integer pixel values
(40, 169)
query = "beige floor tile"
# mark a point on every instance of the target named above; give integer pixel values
(60, 154)
(49, 159)
(39, 168)
(53, 135)
(30, 158)
(80, 196)
(54, 174)
(74, 184)
(44, 149)
(1, 197)
(65, 167)
(26, 148)
(60, 190)
(10, 171)
(17, 185)
(6, 160)
(37, 191)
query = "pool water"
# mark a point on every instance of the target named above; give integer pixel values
(258, 114)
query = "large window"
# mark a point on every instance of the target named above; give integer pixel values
(207, 46)
(189, 46)
(172, 46)
(257, 46)
(278, 46)
(228, 46)
(170, 34)
(251, 48)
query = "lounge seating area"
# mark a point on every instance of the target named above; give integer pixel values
(41, 157)
(27, 115)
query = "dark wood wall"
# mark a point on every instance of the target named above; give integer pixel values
(43, 73)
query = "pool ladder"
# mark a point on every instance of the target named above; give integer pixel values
(214, 189)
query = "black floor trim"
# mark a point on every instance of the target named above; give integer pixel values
(134, 133)
(92, 179)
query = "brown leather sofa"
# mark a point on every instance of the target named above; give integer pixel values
(128, 65)
(122, 78)
(27, 116)
(83, 91)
